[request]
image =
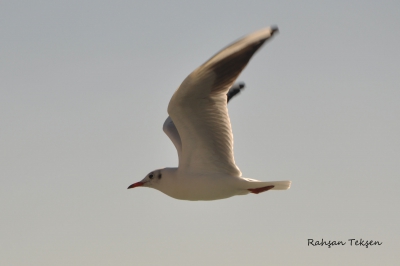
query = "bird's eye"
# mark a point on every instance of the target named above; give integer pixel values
(159, 176)
(150, 176)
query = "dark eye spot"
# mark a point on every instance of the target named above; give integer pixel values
(159, 176)
(150, 176)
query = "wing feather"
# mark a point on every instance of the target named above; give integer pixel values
(171, 131)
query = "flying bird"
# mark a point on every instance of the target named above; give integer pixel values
(199, 127)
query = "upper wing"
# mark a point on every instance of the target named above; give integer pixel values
(199, 111)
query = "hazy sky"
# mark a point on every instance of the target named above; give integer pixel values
(84, 91)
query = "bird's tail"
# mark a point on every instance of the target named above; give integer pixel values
(279, 185)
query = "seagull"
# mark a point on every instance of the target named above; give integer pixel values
(199, 127)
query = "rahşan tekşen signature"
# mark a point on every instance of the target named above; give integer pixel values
(353, 242)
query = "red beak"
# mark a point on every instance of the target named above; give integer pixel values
(138, 184)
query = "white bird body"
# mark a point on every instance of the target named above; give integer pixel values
(207, 186)
(200, 129)
(200, 186)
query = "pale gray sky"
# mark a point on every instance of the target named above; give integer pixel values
(84, 91)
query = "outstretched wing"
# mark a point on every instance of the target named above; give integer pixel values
(199, 111)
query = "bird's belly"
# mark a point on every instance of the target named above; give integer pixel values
(204, 188)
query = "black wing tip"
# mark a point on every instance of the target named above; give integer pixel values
(235, 90)
(274, 29)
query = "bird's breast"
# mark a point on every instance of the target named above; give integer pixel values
(201, 187)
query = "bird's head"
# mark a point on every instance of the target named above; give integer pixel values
(152, 180)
